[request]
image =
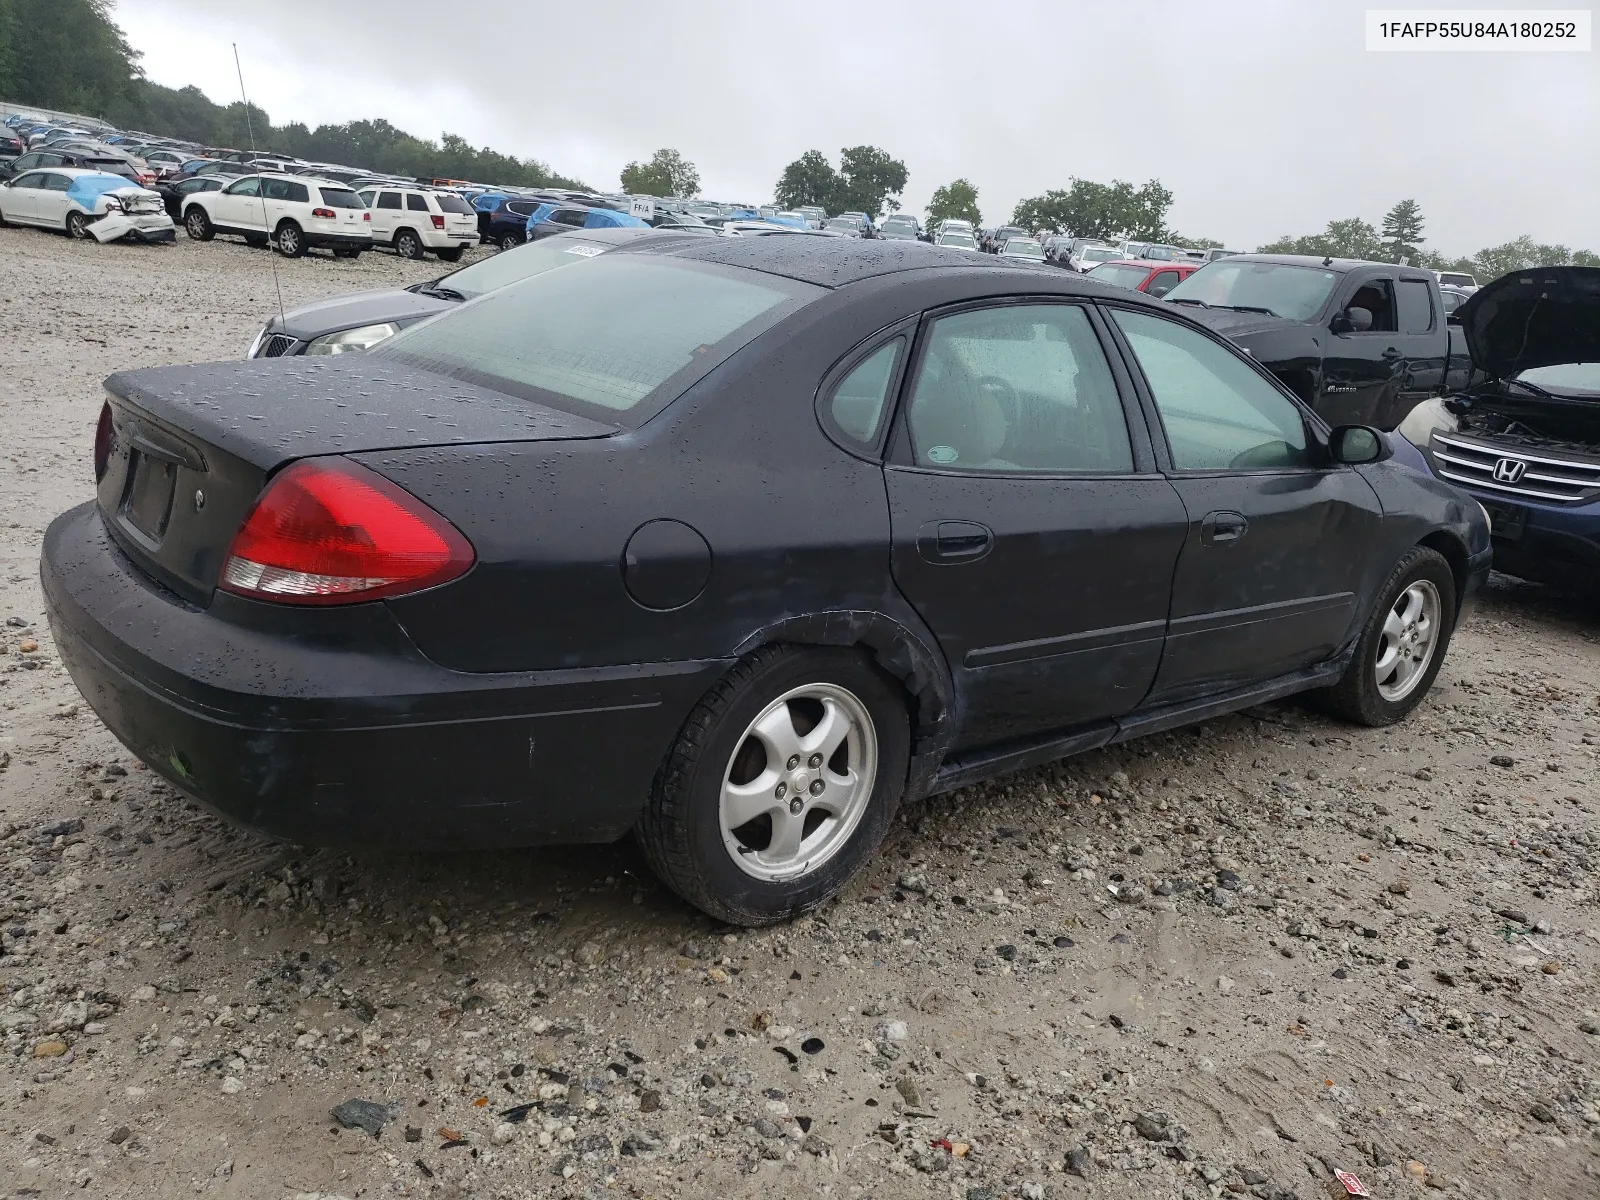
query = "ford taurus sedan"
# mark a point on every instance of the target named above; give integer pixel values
(735, 545)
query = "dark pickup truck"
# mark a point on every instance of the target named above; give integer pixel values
(1363, 343)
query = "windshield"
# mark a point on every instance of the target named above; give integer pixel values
(1583, 376)
(1120, 275)
(1097, 254)
(1458, 280)
(1024, 248)
(531, 258)
(1284, 291)
(842, 223)
(964, 240)
(615, 341)
(1162, 253)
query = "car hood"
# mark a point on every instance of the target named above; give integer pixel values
(270, 411)
(361, 308)
(1542, 317)
(1231, 324)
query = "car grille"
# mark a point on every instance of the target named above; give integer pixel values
(1515, 472)
(276, 346)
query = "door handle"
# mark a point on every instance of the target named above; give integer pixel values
(1223, 528)
(954, 541)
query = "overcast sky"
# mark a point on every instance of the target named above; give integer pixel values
(1262, 117)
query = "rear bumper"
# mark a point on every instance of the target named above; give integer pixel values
(330, 728)
(319, 238)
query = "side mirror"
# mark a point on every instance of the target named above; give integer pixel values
(1353, 445)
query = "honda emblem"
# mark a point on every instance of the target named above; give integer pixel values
(1509, 470)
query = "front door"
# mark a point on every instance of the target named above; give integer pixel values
(234, 203)
(50, 200)
(1267, 582)
(1030, 530)
(18, 200)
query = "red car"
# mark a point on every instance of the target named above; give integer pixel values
(1152, 278)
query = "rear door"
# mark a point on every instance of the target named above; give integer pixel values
(1276, 539)
(385, 214)
(1031, 529)
(1422, 341)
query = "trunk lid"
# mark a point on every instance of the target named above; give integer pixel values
(192, 447)
(1542, 317)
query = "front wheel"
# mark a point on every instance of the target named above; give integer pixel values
(77, 226)
(198, 226)
(1402, 645)
(291, 240)
(782, 783)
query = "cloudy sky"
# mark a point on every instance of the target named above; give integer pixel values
(1264, 117)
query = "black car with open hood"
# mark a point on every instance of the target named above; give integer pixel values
(1524, 437)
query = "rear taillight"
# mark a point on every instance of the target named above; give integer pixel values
(332, 532)
(102, 442)
(326, 214)
(438, 221)
(366, 216)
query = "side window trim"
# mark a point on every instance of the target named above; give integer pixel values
(1316, 427)
(836, 374)
(1141, 435)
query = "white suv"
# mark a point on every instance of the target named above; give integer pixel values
(293, 212)
(415, 220)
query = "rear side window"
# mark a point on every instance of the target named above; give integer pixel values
(1021, 387)
(521, 207)
(388, 199)
(335, 197)
(1416, 306)
(453, 204)
(416, 203)
(615, 340)
(857, 403)
(1219, 414)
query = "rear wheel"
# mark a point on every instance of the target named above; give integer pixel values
(291, 240)
(782, 783)
(510, 241)
(78, 226)
(407, 244)
(1402, 645)
(198, 226)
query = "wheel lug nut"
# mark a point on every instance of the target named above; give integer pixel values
(814, 761)
(795, 806)
(816, 787)
(782, 791)
(794, 761)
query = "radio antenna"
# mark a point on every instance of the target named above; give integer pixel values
(250, 128)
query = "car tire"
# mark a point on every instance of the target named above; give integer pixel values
(510, 241)
(198, 225)
(78, 227)
(1402, 646)
(291, 240)
(744, 876)
(408, 245)
(452, 255)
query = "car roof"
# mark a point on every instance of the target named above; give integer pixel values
(839, 262)
(1307, 260)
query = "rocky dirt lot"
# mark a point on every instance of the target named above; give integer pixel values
(1227, 960)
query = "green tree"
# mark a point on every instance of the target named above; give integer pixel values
(1099, 210)
(959, 200)
(1350, 238)
(667, 173)
(809, 179)
(869, 181)
(65, 54)
(1402, 231)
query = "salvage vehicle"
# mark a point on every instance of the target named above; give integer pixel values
(1361, 342)
(416, 220)
(1087, 257)
(294, 213)
(1151, 278)
(1524, 438)
(361, 320)
(736, 544)
(85, 204)
(1022, 249)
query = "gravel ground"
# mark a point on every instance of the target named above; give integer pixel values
(1229, 959)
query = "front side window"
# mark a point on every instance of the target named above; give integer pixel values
(859, 400)
(1219, 414)
(615, 340)
(1021, 387)
(1161, 283)
(1376, 298)
(34, 179)
(245, 187)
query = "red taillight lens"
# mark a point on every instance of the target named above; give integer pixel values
(102, 442)
(326, 214)
(332, 532)
(438, 220)
(366, 216)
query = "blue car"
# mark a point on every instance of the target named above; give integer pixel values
(1524, 439)
(564, 218)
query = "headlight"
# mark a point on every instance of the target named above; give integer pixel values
(362, 338)
(1423, 420)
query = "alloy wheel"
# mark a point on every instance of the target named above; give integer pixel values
(1410, 636)
(799, 782)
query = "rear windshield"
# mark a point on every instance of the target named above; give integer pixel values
(616, 340)
(340, 198)
(1128, 277)
(114, 165)
(452, 204)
